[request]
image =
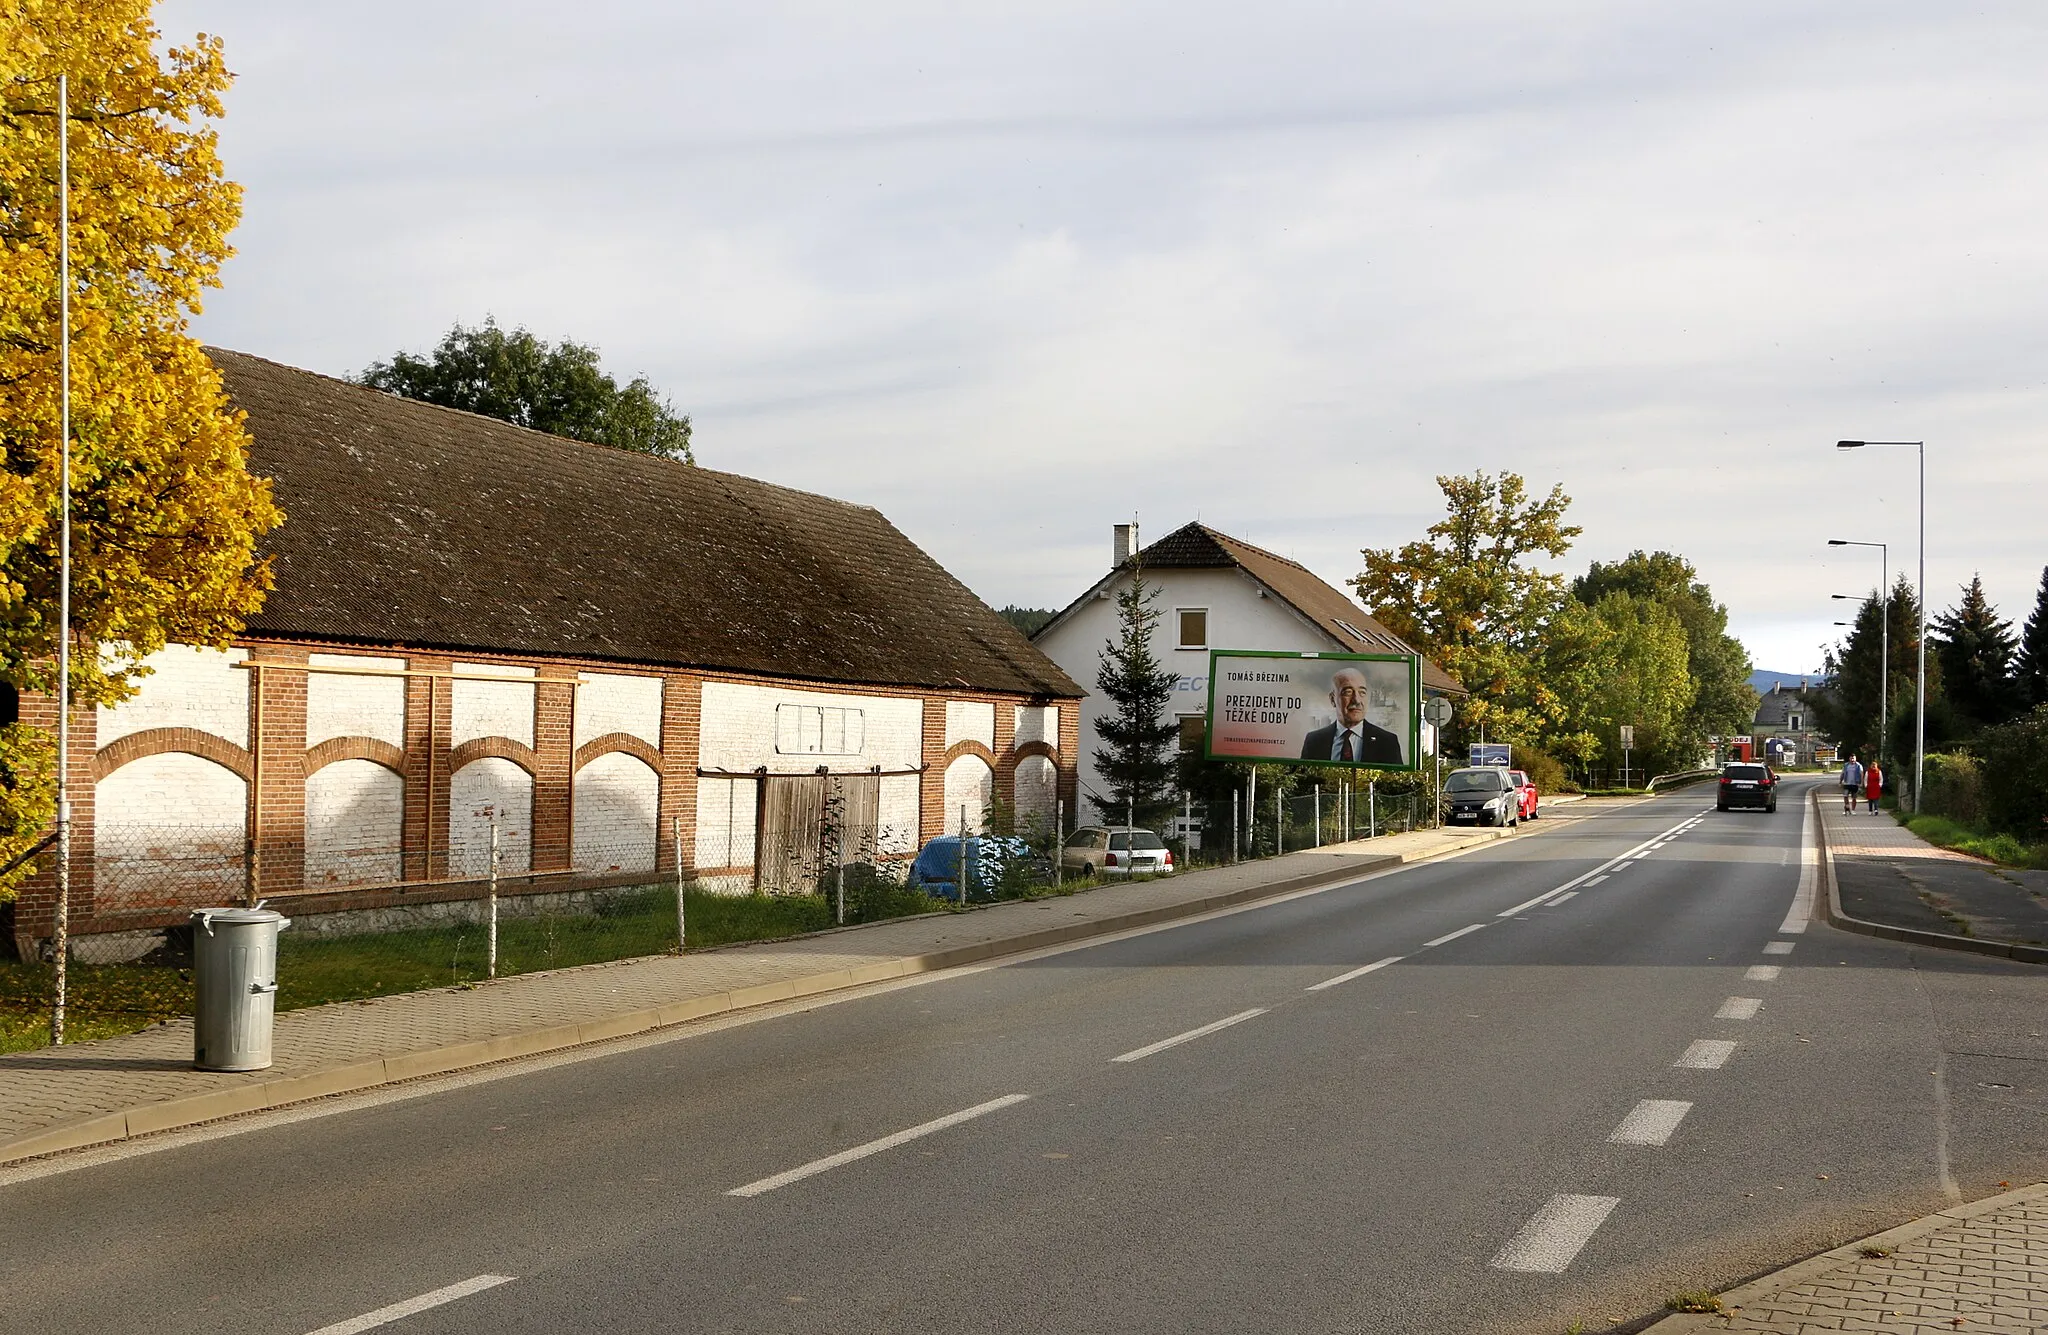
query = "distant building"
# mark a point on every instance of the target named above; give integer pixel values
(1215, 592)
(1784, 729)
(614, 657)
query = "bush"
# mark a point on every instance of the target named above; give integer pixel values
(1543, 769)
(2015, 776)
(1954, 788)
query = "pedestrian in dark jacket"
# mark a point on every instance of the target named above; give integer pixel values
(1852, 784)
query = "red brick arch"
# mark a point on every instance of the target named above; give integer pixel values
(968, 748)
(354, 748)
(163, 741)
(504, 748)
(635, 747)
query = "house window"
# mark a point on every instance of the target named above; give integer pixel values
(1792, 723)
(1192, 732)
(1194, 627)
(814, 730)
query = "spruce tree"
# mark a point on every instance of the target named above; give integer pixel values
(2030, 672)
(1136, 762)
(1976, 647)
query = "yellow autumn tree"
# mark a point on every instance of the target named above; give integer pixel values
(165, 515)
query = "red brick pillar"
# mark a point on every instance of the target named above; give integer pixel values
(1070, 757)
(931, 790)
(277, 799)
(1005, 752)
(428, 723)
(682, 719)
(35, 905)
(554, 753)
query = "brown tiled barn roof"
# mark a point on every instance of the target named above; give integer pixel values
(416, 525)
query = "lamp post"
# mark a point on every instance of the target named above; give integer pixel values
(1884, 671)
(1920, 673)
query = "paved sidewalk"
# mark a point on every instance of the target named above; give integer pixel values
(1981, 1269)
(93, 1093)
(1885, 877)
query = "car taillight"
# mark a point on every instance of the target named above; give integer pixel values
(1724, 781)
(1109, 861)
(1169, 857)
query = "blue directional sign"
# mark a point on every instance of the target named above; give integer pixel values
(1491, 753)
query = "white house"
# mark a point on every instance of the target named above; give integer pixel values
(1215, 592)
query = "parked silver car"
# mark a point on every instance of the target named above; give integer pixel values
(1115, 852)
(1482, 795)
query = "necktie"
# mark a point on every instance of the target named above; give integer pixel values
(1344, 751)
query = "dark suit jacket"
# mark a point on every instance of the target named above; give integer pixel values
(1379, 747)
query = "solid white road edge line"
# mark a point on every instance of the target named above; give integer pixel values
(1355, 973)
(1452, 936)
(1762, 973)
(1139, 1054)
(1611, 865)
(1801, 911)
(1706, 1054)
(832, 1161)
(1650, 1122)
(384, 1316)
(1778, 947)
(1739, 1008)
(1552, 1238)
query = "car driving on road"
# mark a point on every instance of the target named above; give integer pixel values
(1747, 784)
(1483, 795)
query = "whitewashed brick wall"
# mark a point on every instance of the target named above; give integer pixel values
(355, 812)
(1037, 790)
(739, 730)
(611, 702)
(491, 708)
(969, 783)
(898, 814)
(169, 830)
(725, 821)
(1038, 723)
(971, 721)
(338, 706)
(490, 782)
(617, 801)
(186, 688)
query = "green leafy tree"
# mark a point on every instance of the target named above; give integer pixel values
(1723, 702)
(1470, 597)
(558, 388)
(1136, 761)
(1027, 620)
(1634, 674)
(2030, 668)
(1848, 710)
(1976, 648)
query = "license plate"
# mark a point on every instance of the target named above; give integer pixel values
(1742, 783)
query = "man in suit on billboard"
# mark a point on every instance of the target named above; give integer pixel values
(1351, 740)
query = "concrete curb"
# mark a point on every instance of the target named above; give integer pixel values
(1799, 1272)
(262, 1095)
(1831, 907)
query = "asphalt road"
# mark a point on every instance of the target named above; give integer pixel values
(1538, 1114)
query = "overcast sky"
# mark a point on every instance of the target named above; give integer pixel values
(1012, 272)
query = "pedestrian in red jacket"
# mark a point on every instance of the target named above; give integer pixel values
(1873, 785)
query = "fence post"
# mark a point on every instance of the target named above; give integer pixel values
(1319, 816)
(1059, 841)
(961, 884)
(683, 926)
(491, 925)
(839, 878)
(1279, 821)
(1372, 808)
(1234, 823)
(1251, 814)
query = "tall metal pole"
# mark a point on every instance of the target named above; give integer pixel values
(1920, 721)
(61, 930)
(1884, 658)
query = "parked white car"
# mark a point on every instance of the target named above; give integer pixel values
(1115, 852)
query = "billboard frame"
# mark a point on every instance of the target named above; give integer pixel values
(1413, 663)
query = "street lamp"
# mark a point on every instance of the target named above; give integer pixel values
(1920, 705)
(1884, 671)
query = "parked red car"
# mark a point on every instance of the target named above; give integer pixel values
(1525, 790)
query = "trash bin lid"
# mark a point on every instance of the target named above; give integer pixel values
(230, 916)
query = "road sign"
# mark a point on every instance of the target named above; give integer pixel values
(1436, 711)
(1628, 735)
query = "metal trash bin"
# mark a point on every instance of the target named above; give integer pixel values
(234, 976)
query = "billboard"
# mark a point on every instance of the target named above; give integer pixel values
(1499, 754)
(1357, 710)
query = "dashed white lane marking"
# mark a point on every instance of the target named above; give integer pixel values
(1778, 947)
(384, 1316)
(1355, 973)
(1139, 1054)
(832, 1161)
(1553, 1237)
(1452, 936)
(1801, 911)
(1706, 1054)
(1762, 973)
(1562, 898)
(1650, 1122)
(1596, 880)
(1613, 864)
(1739, 1008)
